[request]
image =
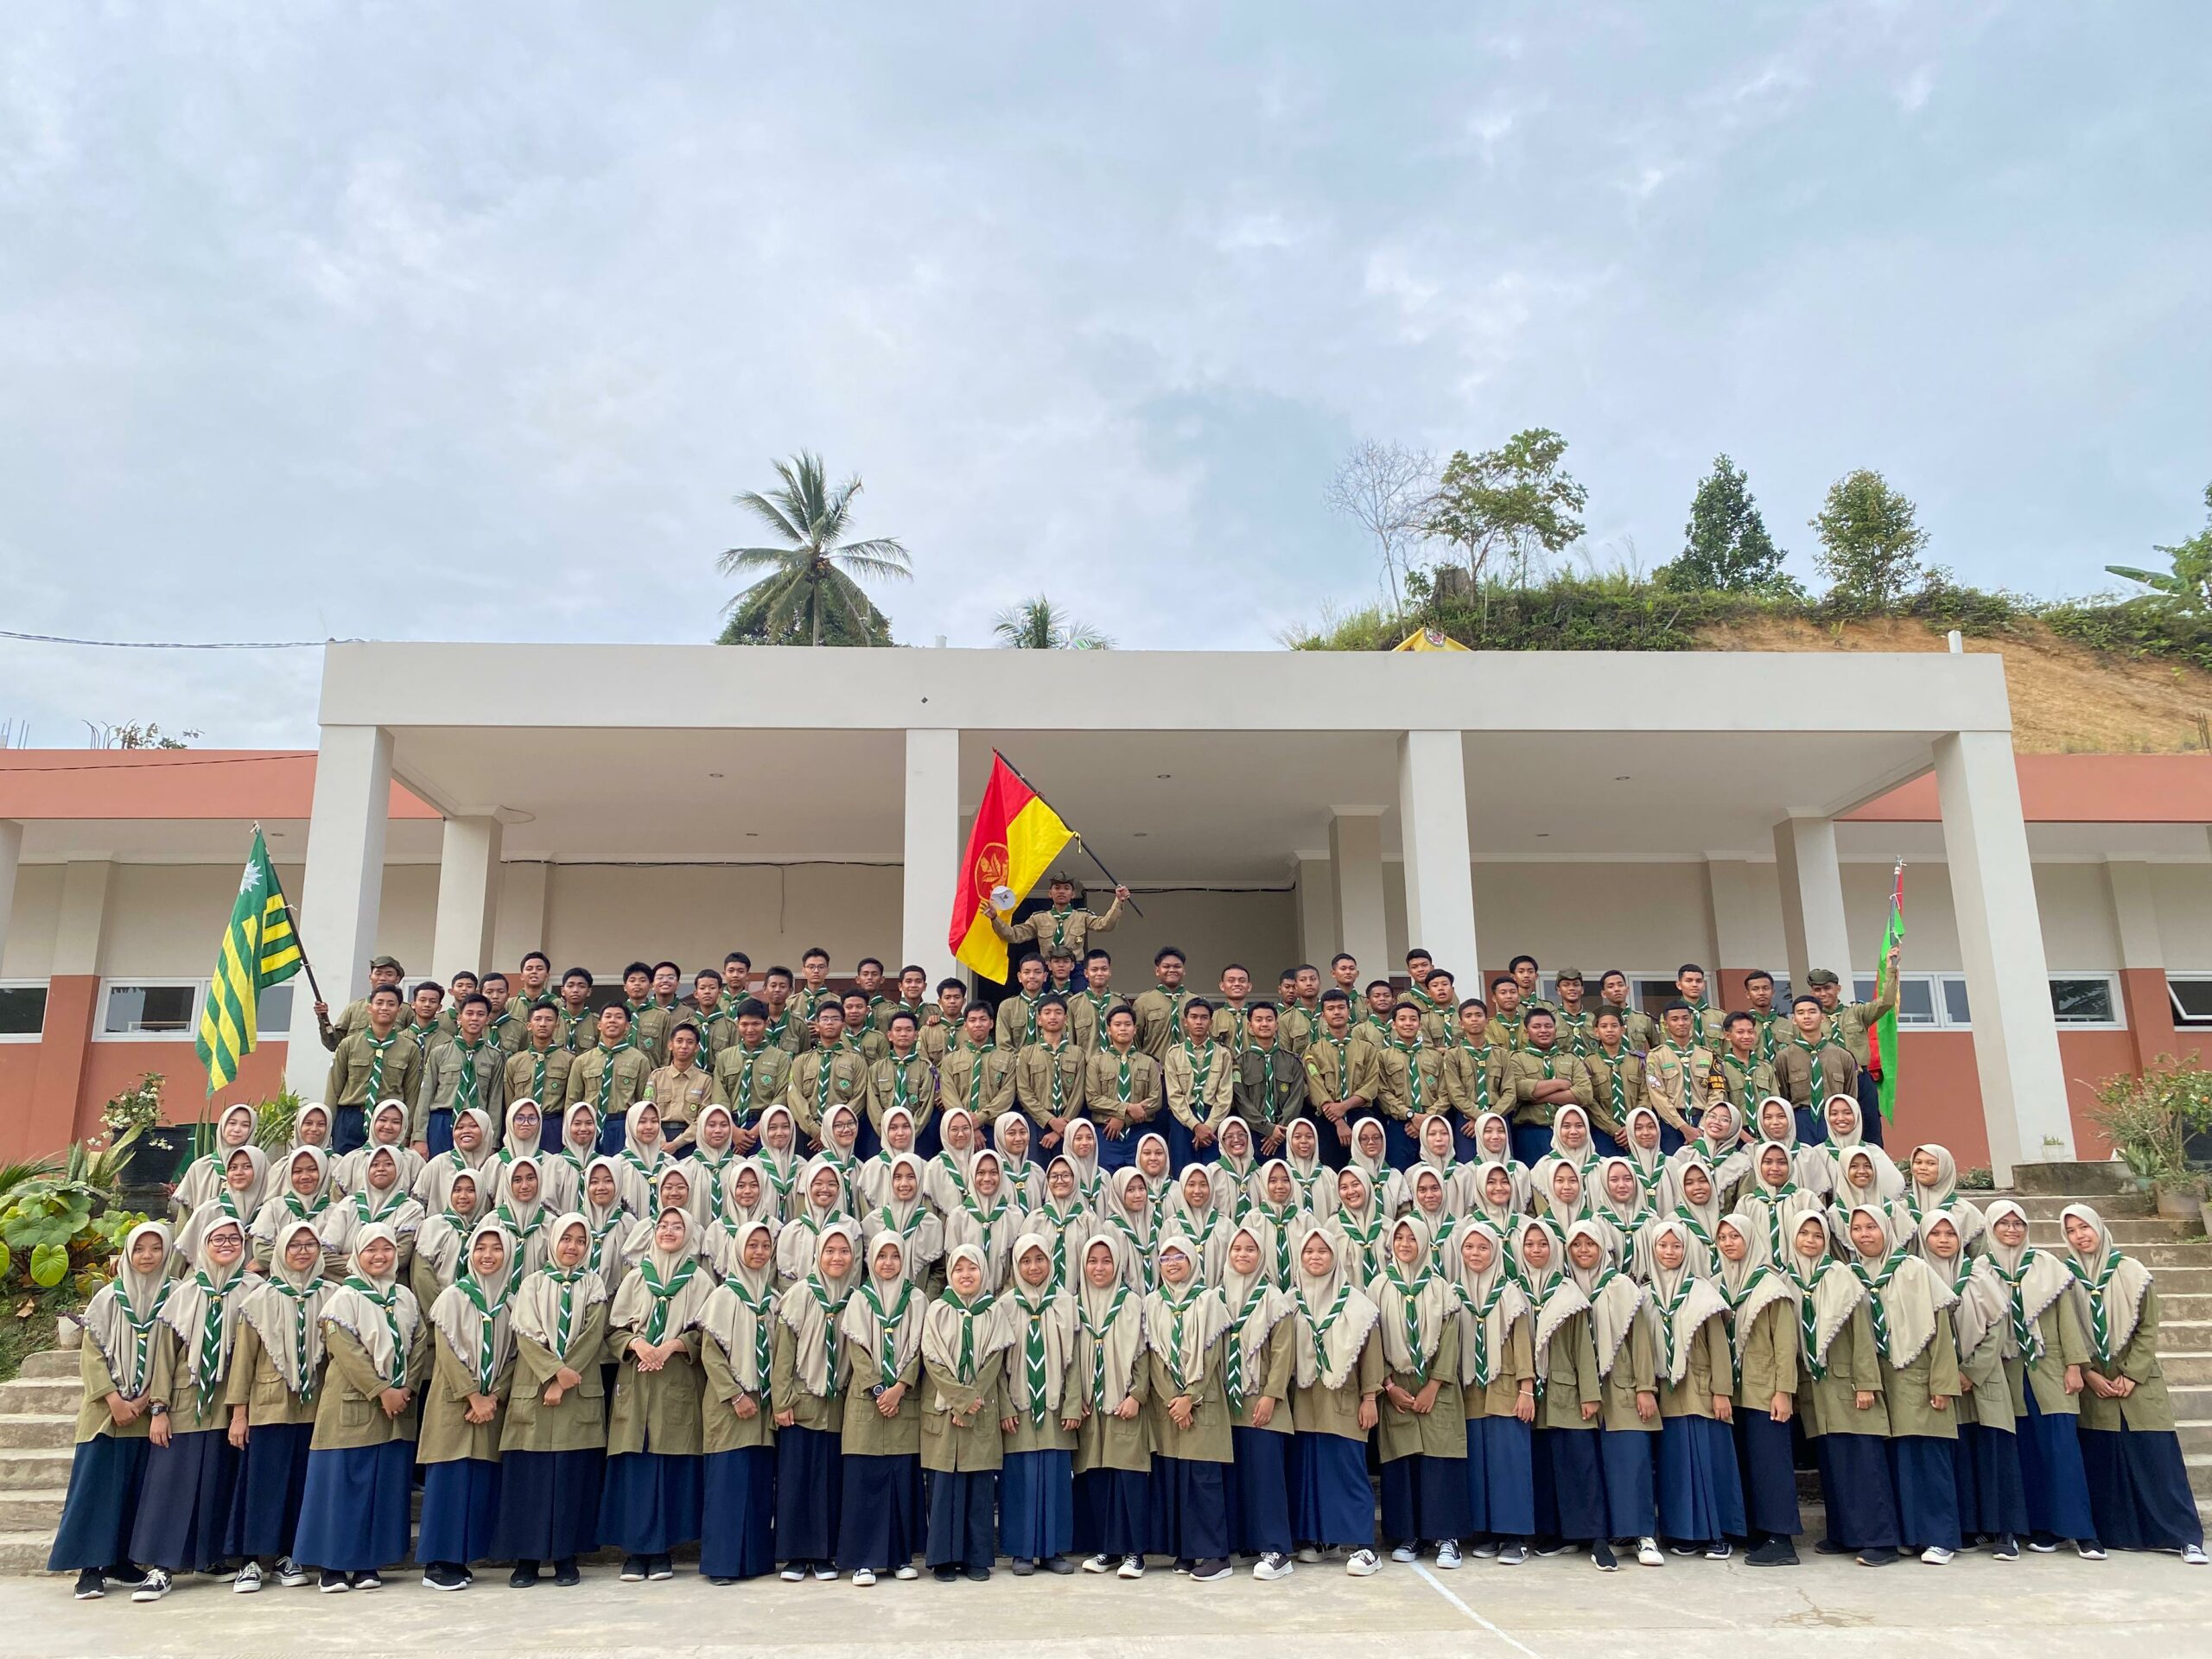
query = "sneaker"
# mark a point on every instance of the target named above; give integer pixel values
(1881, 1555)
(1484, 1549)
(1936, 1555)
(1406, 1554)
(1059, 1564)
(90, 1586)
(1646, 1553)
(1099, 1564)
(1211, 1570)
(1183, 1566)
(248, 1579)
(944, 1574)
(1132, 1567)
(1309, 1554)
(368, 1581)
(1684, 1549)
(1547, 1548)
(633, 1570)
(792, 1575)
(1775, 1551)
(1829, 1547)
(565, 1573)
(978, 1575)
(1511, 1555)
(124, 1575)
(2006, 1548)
(290, 1573)
(1272, 1565)
(2089, 1549)
(2192, 1554)
(824, 1573)
(716, 1579)
(1448, 1553)
(1602, 1556)
(153, 1586)
(907, 1572)
(864, 1578)
(443, 1575)
(523, 1576)
(1718, 1550)
(1022, 1567)
(1361, 1563)
(659, 1568)
(333, 1584)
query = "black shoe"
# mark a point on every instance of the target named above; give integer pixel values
(333, 1584)
(565, 1573)
(978, 1575)
(90, 1586)
(1059, 1564)
(1881, 1556)
(660, 1567)
(633, 1569)
(2007, 1547)
(1210, 1570)
(1021, 1568)
(1775, 1551)
(124, 1575)
(945, 1574)
(444, 1575)
(371, 1580)
(1829, 1547)
(1602, 1556)
(712, 1578)
(523, 1576)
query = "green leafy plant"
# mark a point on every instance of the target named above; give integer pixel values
(2149, 1119)
(274, 1119)
(136, 1109)
(1979, 1179)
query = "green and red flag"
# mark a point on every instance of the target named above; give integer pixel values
(1885, 1028)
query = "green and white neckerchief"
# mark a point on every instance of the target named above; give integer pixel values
(1097, 1333)
(1809, 1322)
(2027, 1333)
(301, 1326)
(1484, 1359)
(1147, 1270)
(1028, 1004)
(1479, 1055)
(1177, 1311)
(524, 1232)
(1812, 1052)
(715, 1168)
(1696, 1229)
(750, 1060)
(1279, 1216)
(1737, 1076)
(1670, 1307)
(386, 1302)
(638, 1012)
(1416, 1084)
(1033, 1355)
(663, 1291)
(1270, 1086)
(779, 1029)
(1232, 1353)
(1616, 1085)
(1059, 916)
(564, 1312)
(1735, 1303)
(1876, 1283)
(964, 1364)
(226, 1200)
(480, 1300)
(538, 1060)
(887, 1328)
(902, 1092)
(299, 1209)
(141, 1326)
(1201, 1075)
(2094, 1289)
(830, 1311)
(1341, 1047)
(1052, 1053)
(1101, 1004)
(1575, 1030)
(1410, 1301)
(570, 1022)
(763, 1309)
(468, 1088)
(377, 1053)
(976, 1080)
(1000, 1213)
(1367, 1237)
(1772, 1204)
(1323, 1325)
(606, 1076)
(1124, 1059)
(825, 1074)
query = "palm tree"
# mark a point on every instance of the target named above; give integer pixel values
(1037, 624)
(809, 581)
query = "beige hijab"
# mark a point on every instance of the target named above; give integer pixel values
(1615, 1298)
(1751, 1286)
(2032, 1280)
(811, 1309)
(740, 1316)
(1554, 1295)
(285, 1310)
(1040, 1331)
(1256, 1304)
(2108, 1289)
(663, 1295)
(552, 1306)
(1683, 1299)
(473, 1315)
(882, 1320)
(207, 1299)
(1182, 1323)
(1414, 1302)
(1110, 1329)
(1487, 1305)
(377, 1311)
(1334, 1316)
(120, 1319)
(960, 1337)
(1909, 1294)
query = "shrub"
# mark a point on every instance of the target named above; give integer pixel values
(2149, 1119)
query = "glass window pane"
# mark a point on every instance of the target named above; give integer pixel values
(274, 1014)
(1652, 996)
(150, 1009)
(2082, 1001)
(2192, 1001)
(1916, 1000)
(1955, 1011)
(22, 1010)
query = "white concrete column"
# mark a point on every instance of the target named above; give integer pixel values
(1317, 915)
(82, 924)
(2000, 944)
(1735, 917)
(1813, 927)
(1440, 869)
(2134, 913)
(341, 894)
(934, 849)
(1356, 871)
(11, 853)
(468, 897)
(519, 927)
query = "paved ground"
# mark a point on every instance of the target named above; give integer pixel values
(1561, 1608)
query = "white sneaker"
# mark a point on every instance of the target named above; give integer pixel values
(1132, 1567)
(1448, 1553)
(1099, 1564)
(1272, 1565)
(1648, 1553)
(1406, 1554)
(248, 1579)
(156, 1585)
(1361, 1563)
(1309, 1554)
(864, 1578)
(2192, 1554)
(909, 1571)
(290, 1573)
(1936, 1555)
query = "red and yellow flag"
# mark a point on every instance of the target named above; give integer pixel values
(1016, 838)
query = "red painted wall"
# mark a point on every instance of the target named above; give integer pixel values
(51, 1091)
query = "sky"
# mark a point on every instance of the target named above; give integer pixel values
(432, 322)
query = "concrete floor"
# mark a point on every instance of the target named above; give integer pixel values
(1559, 1609)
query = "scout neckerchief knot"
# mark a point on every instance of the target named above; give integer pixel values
(662, 1290)
(887, 1324)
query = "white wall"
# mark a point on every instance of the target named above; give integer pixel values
(30, 954)
(2184, 894)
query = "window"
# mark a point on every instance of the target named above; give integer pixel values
(155, 1008)
(22, 1011)
(2191, 995)
(2084, 999)
(273, 1014)
(1925, 1002)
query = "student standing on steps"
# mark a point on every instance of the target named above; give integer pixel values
(553, 1437)
(276, 1373)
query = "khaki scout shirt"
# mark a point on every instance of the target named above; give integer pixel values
(1527, 1067)
(1675, 1082)
(1071, 927)
(750, 1080)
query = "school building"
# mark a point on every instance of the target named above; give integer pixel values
(469, 802)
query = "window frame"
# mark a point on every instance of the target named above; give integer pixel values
(2111, 978)
(2184, 1021)
(45, 986)
(199, 988)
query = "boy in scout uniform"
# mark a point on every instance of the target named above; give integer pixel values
(1438, 999)
(1616, 1081)
(1544, 1076)
(787, 1026)
(913, 996)
(1773, 1023)
(868, 980)
(1577, 1023)
(374, 1064)
(1269, 1088)
(1677, 1072)
(813, 987)
(831, 1073)
(1374, 1024)
(751, 1074)
(1294, 1024)
(1160, 1010)
(1017, 1023)
(1747, 1079)
(1474, 1070)
(682, 1089)
(1853, 1024)
(464, 1071)
(1638, 1029)
(382, 971)
(1811, 1066)
(1064, 922)
(1121, 1090)
(1098, 996)
(1232, 1008)
(538, 1070)
(649, 1021)
(509, 1028)
(458, 988)
(1060, 982)
(1342, 1078)
(579, 1025)
(861, 1034)
(425, 1016)
(1412, 1084)
(610, 1075)
(1505, 1015)
(536, 988)
(1526, 978)
(708, 1011)
(903, 1077)
(1048, 1074)
(976, 1073)
(737, 981)
(1198, 1075)
(1691, 985)
(942, 1030)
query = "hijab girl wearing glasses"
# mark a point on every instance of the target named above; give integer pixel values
(1186, 1321)
(967, 1334)
(737, 1357)
(1113, 1454)
(276, 1372)
(1044, 1401)
(1700, 1492)
(2048, 1380)
(1992, 1497)
(473, 1354)
(806, 1390)
(650, 1504)
(879, 1517)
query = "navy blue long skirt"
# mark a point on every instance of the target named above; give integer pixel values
(184, 1503)
(2051, 1467)
(963, 1518)
(877, 1526)
(1259, 1492)
(1540, 1469)
(1927, 1490)
(1578, 1484)
(649, 1503)
(1425, 1497)
(1501, 1475)
(1626, 1455)
(349, 1129)
(613, 1135)
(1331, 1502)
(1110, 1511)
(2139, 1488)
(1700, 1491)
(1037, 1504)
(1856, 1485)
(272, 1482)
(102, 1506)
(809, 1490)
(1188, 1509)
(737, 1536)
(1992, 1498)
(1769, 1481)
(461, 1504)
(549, 1506)
(353, 1514)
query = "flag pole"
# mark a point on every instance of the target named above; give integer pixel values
(1080, 841)
(292, 917)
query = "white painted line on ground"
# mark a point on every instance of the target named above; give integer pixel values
(1437, 1584)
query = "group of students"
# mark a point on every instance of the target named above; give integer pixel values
(755, 1334)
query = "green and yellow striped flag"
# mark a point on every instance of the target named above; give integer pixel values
(259, 949)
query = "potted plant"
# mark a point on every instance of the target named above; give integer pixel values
(2150, 1120)
(151, 1150)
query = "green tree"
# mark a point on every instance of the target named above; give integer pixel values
(1725, 544)
(2186, 584)
(1037, 625)
(1870, 541)
(807, 593)
(1513, 500)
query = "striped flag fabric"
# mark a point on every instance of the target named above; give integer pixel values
(1885, 1028)
(258, 949)
(1015, 840)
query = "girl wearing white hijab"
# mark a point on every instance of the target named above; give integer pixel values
(442, 1240)
(1198, 1207)
(1236, 1168)
(841, 1140)
(1186, 1321)
(820, 1198)
(184, 1505)
(649, 1504)
(306, 1196)
(874, 1178)
(1423, 1433)
(807, 1386)
(1113, 1454)
(1700, 1490)
(778, 1158)
(1081, 1150)
(1317, 1182)
(966, 1337)
(553, 1440)
(1920, 1379)
(1935, 1185)
(353, 1511)
(2053, 1351)
(2138, 1484)
(1360, 1225)
(1044, 1396)
(311, 1127)
(1762, 1316)
(1571, 1144)
(1627, 1358)
(1257, 1365)
(562, 1167)
(1719, 1146)
(276, 1372)
(987, 1217)
(387, 1128)
(524, 1134)
(382, 1196)
(713, 1155)
(1338, 1375)
(948, 1169)
(115, 1362)
(737, 1355)
(472, 1363)
(1130, 1220)
(644, 1155)
(1438, 1151)
(1064, 1221)
(1839, 1397)
(1489, 1312)
(205, 1175)
(1021, 1174)
(1992, 1496)
(880, 1442)
(902, 1214)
